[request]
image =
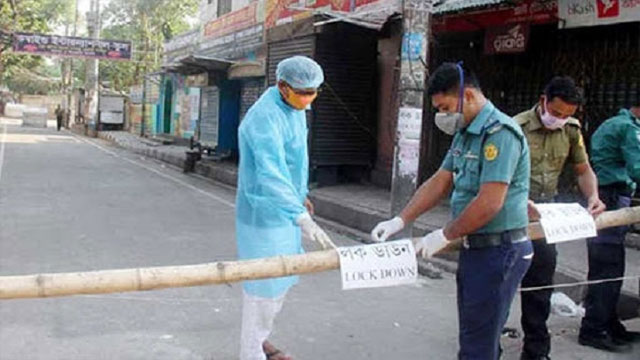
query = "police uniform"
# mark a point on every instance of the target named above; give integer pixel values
(550, 151)
(615, 149)
(492, 148)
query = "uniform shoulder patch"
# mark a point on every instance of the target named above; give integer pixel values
(573, 121)
(494, 129)
(490, 152)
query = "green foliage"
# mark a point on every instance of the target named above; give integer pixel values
(147, 24)
(36, 16)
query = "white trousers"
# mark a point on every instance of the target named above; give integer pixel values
(258, 315)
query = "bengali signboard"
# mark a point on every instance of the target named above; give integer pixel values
(377, 265)
(39, 44)
(527, 11)
(509, 39)
(577, 13)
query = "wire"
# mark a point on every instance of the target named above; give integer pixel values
(580, 283)
(353, 116)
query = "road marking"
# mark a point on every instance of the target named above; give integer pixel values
(2, 142)
(159, 173)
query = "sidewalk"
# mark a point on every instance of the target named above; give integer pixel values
(355, 209)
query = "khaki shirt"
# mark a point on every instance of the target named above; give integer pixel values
(550, 150)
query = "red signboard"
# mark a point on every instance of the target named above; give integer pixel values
(528, 11)
(506, 39)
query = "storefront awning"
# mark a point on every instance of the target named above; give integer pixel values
(450, 6)
(193, 64)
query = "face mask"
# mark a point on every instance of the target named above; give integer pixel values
(449, 123)
(551, 122)
(300, 102)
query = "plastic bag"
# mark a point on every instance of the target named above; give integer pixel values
(562, 305)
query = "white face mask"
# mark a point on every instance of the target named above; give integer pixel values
(449, 123)
(549, 121)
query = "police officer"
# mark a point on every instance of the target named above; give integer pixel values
(554, 141)
(488, 168)
(615, 151)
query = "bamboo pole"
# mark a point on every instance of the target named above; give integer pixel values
(154, 278)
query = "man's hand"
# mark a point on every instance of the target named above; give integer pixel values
(312, 232)
(595, 206)
(386, 229)
(431, 244)
(309, 205)
(534, 214)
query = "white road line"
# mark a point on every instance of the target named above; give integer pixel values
(2, 142)
(159, 173)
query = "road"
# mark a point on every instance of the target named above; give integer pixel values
(69, 203)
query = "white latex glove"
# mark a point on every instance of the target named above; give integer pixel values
(311, 231)
(386, 229)
(431, 244)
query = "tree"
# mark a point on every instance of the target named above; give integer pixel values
(147, 24)
(37, 16)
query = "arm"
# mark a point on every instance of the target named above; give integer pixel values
(631, 153)
(484, 207)
(588, 183)
(428, 195)
(587, 180)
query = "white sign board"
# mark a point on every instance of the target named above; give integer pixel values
(565, 222)
(577, 13)
(378, 265)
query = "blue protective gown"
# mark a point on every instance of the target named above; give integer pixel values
(272, 186)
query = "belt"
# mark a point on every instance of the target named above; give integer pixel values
(480, 241)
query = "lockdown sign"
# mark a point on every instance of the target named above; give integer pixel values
(506, 39)
(386, 264)
(577, 13)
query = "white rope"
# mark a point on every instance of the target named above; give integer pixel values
(579, 283)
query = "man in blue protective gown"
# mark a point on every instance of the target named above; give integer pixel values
(273, 212)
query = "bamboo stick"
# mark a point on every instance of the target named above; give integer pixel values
(154, 278)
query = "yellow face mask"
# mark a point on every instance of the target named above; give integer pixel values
(299, 100)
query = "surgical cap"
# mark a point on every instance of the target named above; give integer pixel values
(300, 72)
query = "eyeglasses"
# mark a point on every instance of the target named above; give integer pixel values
(305, 92)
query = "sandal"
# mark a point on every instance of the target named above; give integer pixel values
(274, 353)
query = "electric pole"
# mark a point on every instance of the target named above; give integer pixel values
(92, 78)
(416, 16)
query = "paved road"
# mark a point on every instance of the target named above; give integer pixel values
(71, 204)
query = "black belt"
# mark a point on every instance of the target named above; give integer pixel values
(479, 241)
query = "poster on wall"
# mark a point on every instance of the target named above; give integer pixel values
(578, 13)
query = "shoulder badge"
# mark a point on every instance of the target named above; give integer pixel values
(490, 152)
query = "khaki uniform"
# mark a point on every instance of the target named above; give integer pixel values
(550, 152)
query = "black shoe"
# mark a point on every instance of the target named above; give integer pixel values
(626, 337)
(604, 342)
